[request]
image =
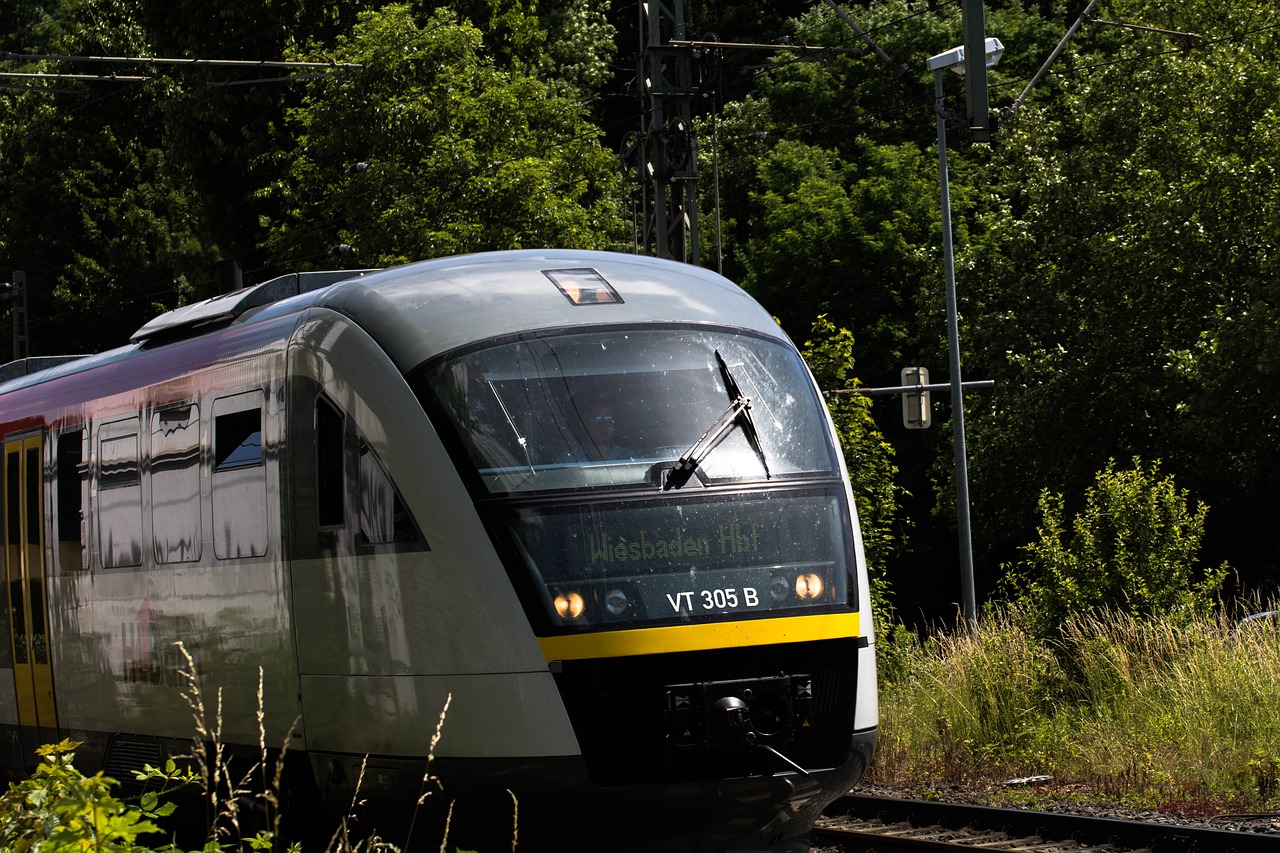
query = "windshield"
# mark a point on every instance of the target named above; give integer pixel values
(614, 407)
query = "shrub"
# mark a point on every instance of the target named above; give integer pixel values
(1132, 549)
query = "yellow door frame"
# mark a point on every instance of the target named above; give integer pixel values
(25, 575)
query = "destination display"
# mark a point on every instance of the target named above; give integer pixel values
(689, 560)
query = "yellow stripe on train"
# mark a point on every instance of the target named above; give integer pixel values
(705, 635)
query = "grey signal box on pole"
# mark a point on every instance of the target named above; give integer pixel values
(917, 413)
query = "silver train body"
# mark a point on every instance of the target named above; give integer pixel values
(383, 493)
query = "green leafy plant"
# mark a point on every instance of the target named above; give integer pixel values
(60, 809)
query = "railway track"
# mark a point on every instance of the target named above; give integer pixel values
(863, 823)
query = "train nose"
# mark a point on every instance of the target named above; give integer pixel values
(733, 715)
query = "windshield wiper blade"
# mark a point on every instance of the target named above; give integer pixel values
(520, 439)
(745, 421)
(737, 413)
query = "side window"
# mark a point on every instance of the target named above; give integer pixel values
(175, 484)
(330, 485)
(73, 493)
(238, 435)
(119, 507)
(240, 525)
(384, 520)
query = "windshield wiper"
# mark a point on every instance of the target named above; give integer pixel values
(520, 439)
(744, 418)
(738, 412)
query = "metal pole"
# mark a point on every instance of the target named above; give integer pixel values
(968, 598)
(21, 341)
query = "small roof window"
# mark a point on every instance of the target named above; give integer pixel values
(583, 286)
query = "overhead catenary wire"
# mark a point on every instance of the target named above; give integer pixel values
(159, 61)
(6, 55)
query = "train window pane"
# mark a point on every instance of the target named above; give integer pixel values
(13, 485)
(33, 496)
(71, 493)
(17, 607)
(384, 518)
(119, 517)
(13, 536)
(175, 484)
(240, 519)
(238, 439)
(329, 465)
(6, 648)
(616, 407)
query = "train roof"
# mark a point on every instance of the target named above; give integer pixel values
(424, 309)
(421, 310)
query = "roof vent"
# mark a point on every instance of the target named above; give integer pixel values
(228, 306)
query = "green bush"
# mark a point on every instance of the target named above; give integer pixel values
(1132, 549)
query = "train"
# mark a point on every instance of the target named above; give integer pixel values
(591, 503)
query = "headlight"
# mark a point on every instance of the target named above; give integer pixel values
(615, 601)
(809, 586)
(570, 605)
(779, 588)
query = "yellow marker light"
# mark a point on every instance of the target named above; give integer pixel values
(583, 286)
(570, 605)
(809, 586)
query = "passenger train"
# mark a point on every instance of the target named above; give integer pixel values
(591, 501)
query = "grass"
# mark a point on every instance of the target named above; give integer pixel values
(1148, 712)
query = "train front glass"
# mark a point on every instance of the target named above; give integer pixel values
(657, 475)
(652, 476)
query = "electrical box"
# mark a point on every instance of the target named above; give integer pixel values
(917, 412)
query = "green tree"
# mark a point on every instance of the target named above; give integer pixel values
(1128, 262)
(869, 458)
(833, 237)
(92, 205)
(579, 45)
(432, 150)
(1133, 548)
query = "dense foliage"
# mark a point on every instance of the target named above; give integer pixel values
(829, 354)
(1116, 241)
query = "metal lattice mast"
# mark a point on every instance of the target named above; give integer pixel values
(668, 167)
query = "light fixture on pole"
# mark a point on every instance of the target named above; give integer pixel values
(954, 60)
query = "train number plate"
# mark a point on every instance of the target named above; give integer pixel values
(719, 599)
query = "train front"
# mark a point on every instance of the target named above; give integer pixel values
(671, 506)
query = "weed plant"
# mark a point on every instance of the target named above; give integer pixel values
(1146, 710)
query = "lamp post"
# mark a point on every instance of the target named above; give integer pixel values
(954, 60)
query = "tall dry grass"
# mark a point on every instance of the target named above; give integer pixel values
(1147, 710)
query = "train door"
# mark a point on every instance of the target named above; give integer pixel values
(25, 573)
